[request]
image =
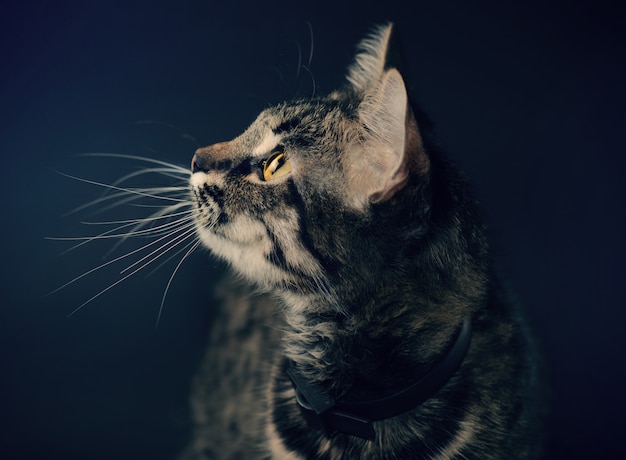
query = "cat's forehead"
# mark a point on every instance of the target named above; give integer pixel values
(302, 114)
(302, 120)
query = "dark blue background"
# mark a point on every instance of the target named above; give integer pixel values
(528, 97)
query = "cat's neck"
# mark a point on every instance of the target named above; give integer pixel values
(367, 350)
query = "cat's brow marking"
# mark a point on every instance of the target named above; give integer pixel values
(268, 142)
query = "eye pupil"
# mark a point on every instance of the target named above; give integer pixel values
(277, 165)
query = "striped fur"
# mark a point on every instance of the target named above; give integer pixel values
(362, 261)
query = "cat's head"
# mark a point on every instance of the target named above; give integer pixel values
(311, 190)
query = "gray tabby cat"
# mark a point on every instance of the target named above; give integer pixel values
(377, 329)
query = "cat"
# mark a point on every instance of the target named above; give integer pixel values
(366, 320)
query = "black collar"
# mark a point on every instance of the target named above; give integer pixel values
(356, 417)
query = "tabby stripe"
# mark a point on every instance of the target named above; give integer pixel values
(277, 257)
(329, 265)
(216, 193)
(287, 125)
(242, 168)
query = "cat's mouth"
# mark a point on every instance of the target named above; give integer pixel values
(197, 179)
(206, 207)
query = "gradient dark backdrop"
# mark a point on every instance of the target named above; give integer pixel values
(528, 97)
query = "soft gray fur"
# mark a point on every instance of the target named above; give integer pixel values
(360, 261)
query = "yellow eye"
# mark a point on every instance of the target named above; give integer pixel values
(277, 165)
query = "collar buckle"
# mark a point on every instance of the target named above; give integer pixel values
(317, 408)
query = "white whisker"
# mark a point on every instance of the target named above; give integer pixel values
(140, 158)
(148, 231)
(169, 224)
(129, 201)
(158, 267)
(188, 229)
(169, 172)
(163, 212)
(97, 201)
(86, 240)
(111, 286)
(123, 256)
(139, 205)
(108, 232)
(133, 191)
(139, 220)
(194, 246)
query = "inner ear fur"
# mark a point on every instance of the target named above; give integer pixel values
(380, 165)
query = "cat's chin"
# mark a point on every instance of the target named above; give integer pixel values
(250, 261)
(246, 257)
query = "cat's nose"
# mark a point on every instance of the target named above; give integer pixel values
(207, 158)
(194, 164)
(199, 162)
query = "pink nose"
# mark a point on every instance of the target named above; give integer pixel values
(195, 167)
(210, 157)
(201, 160)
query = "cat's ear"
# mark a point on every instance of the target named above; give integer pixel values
(390, 144)
(369, 63)
(378, 165)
